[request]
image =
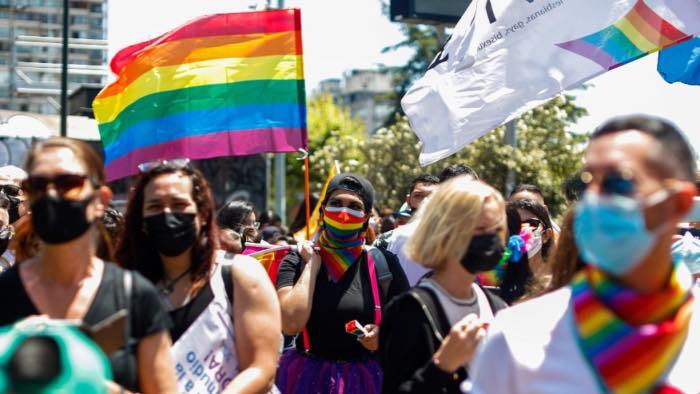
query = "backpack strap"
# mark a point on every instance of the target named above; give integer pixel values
(226, 272)
(415, 293)
(382, 240)
(495, 302)
(375, 290)
(381, 266)
(127, 280)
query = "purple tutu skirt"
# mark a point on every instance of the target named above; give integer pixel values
(299, 373)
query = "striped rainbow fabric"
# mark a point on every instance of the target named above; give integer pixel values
(641, 31)
(630, 339)
(221, 85)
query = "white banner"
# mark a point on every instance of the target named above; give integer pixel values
(506, 57)
(205, 354)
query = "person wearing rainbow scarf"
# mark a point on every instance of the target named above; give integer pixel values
(326, 285)
(627, 322)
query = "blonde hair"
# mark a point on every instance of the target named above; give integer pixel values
(446, 221)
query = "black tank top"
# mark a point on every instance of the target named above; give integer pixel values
(185, 315)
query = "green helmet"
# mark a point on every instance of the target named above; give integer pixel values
(50, 357)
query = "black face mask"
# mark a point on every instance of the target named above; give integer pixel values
(5, 236)
(171, 233)
(57, 220)
(485, 251)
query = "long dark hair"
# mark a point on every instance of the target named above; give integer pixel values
(233, 214)
(135, 251)
(518, 273)
(542, 214)
(518, 280)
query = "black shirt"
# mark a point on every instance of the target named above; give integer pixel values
(335, 304)
(146, 313)
(408, 341)
(184, 316)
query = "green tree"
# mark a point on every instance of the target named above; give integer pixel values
(333, 135)
(547, 153)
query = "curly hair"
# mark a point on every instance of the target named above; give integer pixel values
(136, 252)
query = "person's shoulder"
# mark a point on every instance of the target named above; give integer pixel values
(247, 271)
(406, 305)
(141, 286)
(530, 328)
(539, 314)
(390, 257)
(293, 257)
(404, 231)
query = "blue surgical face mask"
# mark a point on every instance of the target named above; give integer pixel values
(687, 250)
(611, 233)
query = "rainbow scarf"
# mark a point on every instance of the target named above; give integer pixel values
(630, 339)
(341, 245)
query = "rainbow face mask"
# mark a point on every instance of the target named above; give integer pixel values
(532, 238)
(343, 223)
(340, 243)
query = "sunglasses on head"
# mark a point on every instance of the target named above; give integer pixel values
(63, 183)
(178, 163)
(613, 182)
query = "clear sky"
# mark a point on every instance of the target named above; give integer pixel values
(343, 35)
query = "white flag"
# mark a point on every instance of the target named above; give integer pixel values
(506, 57)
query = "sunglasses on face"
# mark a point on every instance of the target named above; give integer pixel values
(532, 222)
(63, 183)
(178, 163)
(613, 182)
(10, 190)
(693, 231)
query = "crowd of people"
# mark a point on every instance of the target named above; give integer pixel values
(460, 290)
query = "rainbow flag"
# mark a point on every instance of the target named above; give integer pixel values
(270, 256)
(640, 32)
(221, 85)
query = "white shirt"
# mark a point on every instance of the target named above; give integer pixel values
(455, 308)
(532, 348)
(395, 243)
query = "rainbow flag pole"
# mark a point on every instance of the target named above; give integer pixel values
(220, 85)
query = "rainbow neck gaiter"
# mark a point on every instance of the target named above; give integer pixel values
(630, 339)
(340, 241)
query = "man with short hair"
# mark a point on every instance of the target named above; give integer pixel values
(628, 321)
(396, 239)
(421, 187)
(454, 170)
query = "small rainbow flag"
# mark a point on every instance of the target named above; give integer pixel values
(355, 328)
(640, 32)
(221, 85)
(270, 256)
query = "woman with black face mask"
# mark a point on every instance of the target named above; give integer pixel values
(226, 318)
(429, 334)
(66, 280)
